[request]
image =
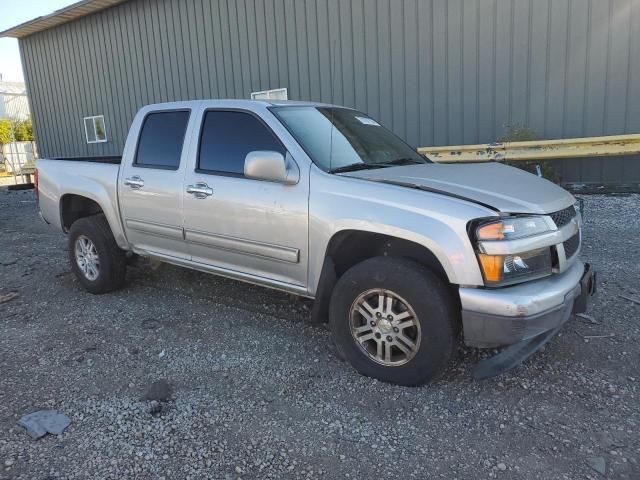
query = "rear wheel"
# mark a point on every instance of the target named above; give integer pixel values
(394, 320)
(96, 260)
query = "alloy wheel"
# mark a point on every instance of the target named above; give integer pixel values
(385, 327)
(87, 258)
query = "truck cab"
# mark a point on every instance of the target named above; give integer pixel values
(185, 196)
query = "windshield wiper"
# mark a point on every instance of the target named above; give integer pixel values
(357, 166)
(367, 166)
(404, 161)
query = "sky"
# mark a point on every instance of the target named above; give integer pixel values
(15, 12)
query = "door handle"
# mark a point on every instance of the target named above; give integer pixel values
(134, 182)
(200, 190)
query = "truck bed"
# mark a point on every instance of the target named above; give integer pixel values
(94, 178)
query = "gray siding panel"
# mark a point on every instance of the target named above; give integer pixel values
(25, 62)
(519, 85)
(411, 108)
(437, 72)
(33, 87)
(425, 72)
(313, 52)
(502, 64)
(440, 69)
(470, 72)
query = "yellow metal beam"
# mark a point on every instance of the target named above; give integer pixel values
(537, 149)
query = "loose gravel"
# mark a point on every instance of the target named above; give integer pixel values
(255, 392)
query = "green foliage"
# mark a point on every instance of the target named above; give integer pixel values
(5, 132)
(519, 132)
(24, 131)
(99, 125)
(15, 130)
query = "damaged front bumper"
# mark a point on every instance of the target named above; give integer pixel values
(524, 316)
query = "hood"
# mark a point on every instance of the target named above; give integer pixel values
(503, 188)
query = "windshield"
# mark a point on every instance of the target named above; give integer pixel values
(339, 139)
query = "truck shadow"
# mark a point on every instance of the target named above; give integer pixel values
(204, 287)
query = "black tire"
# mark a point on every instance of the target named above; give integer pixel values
(112, 260)
(428, 296)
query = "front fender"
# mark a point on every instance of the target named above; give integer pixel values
(437, 222)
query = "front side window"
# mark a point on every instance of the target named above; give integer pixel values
(341, 139)
(228, 136)
(161, 139)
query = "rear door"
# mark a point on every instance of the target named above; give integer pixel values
(150, 185)
(253, 227)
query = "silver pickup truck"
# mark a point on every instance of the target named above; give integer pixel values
(400, 254)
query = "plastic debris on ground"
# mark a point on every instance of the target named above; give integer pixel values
(38, 424)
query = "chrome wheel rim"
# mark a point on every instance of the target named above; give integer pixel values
(87, 258)
(385, 327)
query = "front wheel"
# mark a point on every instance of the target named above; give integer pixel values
(394, 320)
(96, 260)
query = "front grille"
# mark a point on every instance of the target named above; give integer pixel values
(571, 246)
(563, 217)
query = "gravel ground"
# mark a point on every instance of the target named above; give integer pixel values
(257, 393)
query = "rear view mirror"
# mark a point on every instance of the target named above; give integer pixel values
(271, 166)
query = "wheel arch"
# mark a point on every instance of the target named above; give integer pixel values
(350, 247)
(74, 207)
(347, 248)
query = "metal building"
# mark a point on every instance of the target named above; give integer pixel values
(437, 72)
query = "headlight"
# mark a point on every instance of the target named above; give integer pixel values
(500, 270)
(511, 228)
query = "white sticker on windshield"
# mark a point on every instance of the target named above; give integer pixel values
(368, 121)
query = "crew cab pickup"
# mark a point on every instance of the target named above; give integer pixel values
(399, 253)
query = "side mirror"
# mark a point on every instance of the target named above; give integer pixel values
(271, 166)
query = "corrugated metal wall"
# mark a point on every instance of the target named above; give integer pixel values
(437, 72)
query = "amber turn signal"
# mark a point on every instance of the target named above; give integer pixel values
(492, 267)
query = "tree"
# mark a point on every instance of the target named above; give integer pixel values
(517, 132)
(23, 131)
(5, 132)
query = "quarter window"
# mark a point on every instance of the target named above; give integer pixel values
(227, 137)
(161, 140)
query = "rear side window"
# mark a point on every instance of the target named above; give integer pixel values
(226, 139)
(161, 140)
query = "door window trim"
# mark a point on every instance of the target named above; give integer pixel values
(182, 150)
(221, 173)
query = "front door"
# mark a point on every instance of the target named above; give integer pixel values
(254, 227)
(150, 188)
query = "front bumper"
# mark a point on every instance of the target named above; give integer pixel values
(523, 312)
